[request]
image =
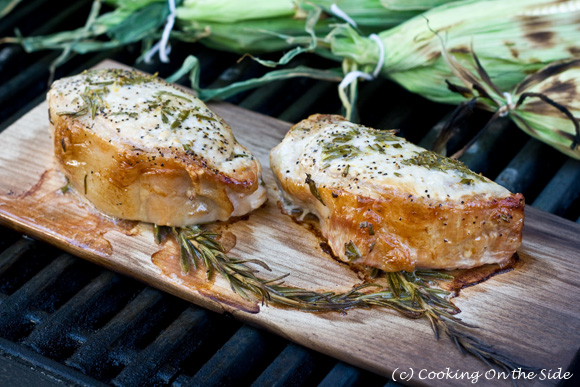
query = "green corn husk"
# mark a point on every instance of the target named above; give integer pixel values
(370, 15)
(512, 39)
(252, 36)
(545, 105)
(134, 21)
(6, 6)
(227, 11)
(232, 26)
(253, 27)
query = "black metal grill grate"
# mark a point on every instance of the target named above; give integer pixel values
(73, 322)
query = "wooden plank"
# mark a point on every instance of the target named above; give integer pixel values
(530, 313)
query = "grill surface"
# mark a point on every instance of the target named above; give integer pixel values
(63, 320)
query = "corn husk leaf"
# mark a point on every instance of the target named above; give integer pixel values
(243, 27)
(560, 82)
(253, 36)
(377, 15)
(416, 5)
(275, 26)
(311, 21)
(6, 6)
(512, 39)
(545, 104)
(121, 26)
(228, 11)
(191, 66)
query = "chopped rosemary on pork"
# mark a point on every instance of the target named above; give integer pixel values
(312, 185)
(163, 92)
(412, 294)
(166, 104)
(93, 100)
(433, 161)
(352, 252)
(65, 188)
(123, 78)
(93, 96)
(369, 226)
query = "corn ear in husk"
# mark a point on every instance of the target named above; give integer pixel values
(254, 27)
(512, 40)
(369, 15)
(545, 105)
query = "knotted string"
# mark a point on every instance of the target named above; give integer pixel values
(509, 105)
(352, 76)
(162, 46)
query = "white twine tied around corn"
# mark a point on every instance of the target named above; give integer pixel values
(162, 46)
(352, 76)
(509, 105)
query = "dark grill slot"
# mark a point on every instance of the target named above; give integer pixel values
(53, 336)
(239, 360)
(14, 252)
(559, 194)
(136, 314)
(295, 366)
(80, 324)
(491, 153)
(531, 169)
(167, 349)
(25, 296)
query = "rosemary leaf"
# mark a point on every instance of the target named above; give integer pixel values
(313, 189)
(160, 93)
(65, 188)
(134, 78)
(352, 252)
(344, 152)
(369, 226)
(203, 117)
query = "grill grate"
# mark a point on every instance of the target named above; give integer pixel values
(76, 323)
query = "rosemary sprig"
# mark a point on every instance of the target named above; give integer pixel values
(441, 313)
(200, 245)
(411, 294)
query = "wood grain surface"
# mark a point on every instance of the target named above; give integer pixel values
(531, 313)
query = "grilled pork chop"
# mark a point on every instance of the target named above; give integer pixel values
(386, 203)
(139, 148)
